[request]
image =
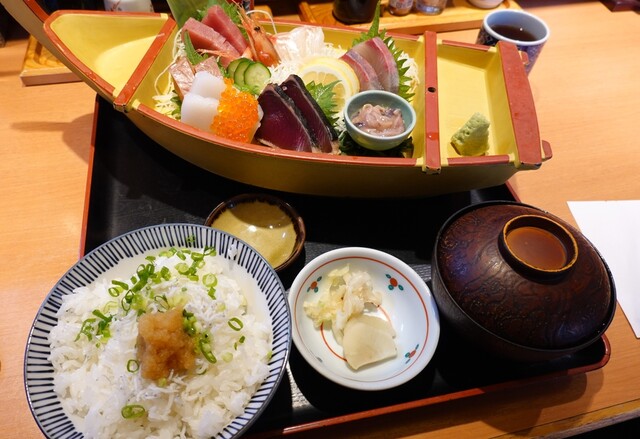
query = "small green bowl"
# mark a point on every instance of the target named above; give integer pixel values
(386, 99)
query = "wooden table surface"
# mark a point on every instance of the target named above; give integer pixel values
(587, 96)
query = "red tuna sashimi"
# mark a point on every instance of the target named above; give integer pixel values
(182, 75)
(205, 38)
(367, 76)
(317, 122)
(282, 124)
(221, 23)
(379, 56)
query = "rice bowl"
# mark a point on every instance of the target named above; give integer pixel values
(93, 374)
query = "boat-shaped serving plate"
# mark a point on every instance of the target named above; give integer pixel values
(124, 57)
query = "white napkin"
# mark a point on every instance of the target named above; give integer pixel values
(613, 228)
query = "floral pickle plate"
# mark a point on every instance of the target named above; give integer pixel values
(407, 304)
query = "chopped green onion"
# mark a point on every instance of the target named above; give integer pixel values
(210, 280)
(86, 329)
(182, 268)
(205, 348)
(239, 342)
(227, 357)
(235, 324)
(110, 306)
(162, 301)
(212, 293)
(103, 324)
(210, 251)
(189, 322)
(132, 411)
(165, 273)
(133, 366)
(120, 284)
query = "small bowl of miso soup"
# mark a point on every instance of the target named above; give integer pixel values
(267, 223)
(379, 120)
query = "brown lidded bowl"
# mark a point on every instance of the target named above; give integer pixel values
(267, 223)
(520, 282)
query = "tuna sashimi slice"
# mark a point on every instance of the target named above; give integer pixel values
(282, 125)
(367, 76)
(205, 38)
(380, 57)
(221, 23)
(317, 122)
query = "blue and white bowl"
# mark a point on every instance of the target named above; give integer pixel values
(45, 404)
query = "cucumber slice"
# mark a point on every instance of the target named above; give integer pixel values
(238, 74)
(233, 65)
(256, 76)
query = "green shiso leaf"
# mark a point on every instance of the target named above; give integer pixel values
(192, 54)
(323, 95)
(374, 31)
(182, 10)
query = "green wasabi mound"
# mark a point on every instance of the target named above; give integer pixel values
(472, 139)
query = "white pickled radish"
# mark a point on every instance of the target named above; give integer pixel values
(368, 339)
(199, 111)
(207, 85)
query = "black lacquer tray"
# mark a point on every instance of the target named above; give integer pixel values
(134, 182)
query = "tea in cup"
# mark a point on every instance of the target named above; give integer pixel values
(528, 32)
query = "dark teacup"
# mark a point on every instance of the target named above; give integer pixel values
(528, 32)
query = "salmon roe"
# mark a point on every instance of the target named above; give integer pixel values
(237, 116)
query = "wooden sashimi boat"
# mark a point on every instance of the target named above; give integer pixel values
(122, 56)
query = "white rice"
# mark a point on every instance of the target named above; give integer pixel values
(91, 376)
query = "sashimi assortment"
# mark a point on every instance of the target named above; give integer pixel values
(232, 78)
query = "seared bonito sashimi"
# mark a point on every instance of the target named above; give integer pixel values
(283, 125)
(376, 53)
(317, 122)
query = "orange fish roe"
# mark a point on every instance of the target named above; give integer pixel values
(237, 116)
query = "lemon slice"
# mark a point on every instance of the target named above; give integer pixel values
(325, 70)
